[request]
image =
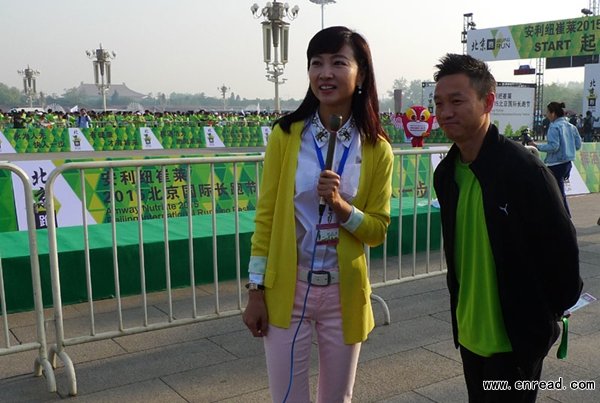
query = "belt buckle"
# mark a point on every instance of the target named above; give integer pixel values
(320, 278)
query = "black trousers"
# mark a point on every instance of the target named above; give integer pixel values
(499, 367)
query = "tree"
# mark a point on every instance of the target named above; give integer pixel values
(412, 93)
(10, 97)
(73, 96)
(571, 94)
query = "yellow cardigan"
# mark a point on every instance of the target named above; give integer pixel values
(275, 233)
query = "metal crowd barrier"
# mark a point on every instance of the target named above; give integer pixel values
(41, 363)
(171, 320)
(383, 270)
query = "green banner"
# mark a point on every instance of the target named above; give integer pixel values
(158, 186)
(170, 184)
(588, 165)
(409, 184)
(572, 37)
(8, 216)
(174, 181)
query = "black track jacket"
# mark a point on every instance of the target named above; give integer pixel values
(532, 239)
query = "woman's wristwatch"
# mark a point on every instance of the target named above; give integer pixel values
(255, 287)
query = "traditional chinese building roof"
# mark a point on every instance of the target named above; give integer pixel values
(91, 90)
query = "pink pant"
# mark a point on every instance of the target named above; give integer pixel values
(337, 361)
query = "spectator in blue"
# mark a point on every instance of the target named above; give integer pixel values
(563, 141)
(83, 120)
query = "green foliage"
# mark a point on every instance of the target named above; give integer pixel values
(412, 93)
(571, 94)
(11, 96)
(73, 96)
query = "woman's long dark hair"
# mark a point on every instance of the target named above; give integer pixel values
(365, 106)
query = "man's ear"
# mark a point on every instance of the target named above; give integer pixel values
(490, 99)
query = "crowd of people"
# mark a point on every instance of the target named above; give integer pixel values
(22, 119)
(585, 125)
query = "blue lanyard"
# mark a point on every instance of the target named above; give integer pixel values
(342, 164)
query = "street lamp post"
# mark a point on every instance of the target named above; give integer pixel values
(322, 3)
(223, 90)
(29, 89)
(275, 40)
(101, 61)
(468, 24)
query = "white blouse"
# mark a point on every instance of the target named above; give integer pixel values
(306, 199)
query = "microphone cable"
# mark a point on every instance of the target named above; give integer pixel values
(335, 123)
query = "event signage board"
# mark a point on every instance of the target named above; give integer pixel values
(148, 140)
(212, 138)
(67, 201)
(571, 37)
(156, 186)
(514, 106)
(77, 141)
(591, 84)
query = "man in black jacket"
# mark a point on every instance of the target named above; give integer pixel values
(511, 249)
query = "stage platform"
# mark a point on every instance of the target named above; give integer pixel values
(70, 240)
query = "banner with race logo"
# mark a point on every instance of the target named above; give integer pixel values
(572, 37)
(173, 185)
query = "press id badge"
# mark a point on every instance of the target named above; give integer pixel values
(328, 234)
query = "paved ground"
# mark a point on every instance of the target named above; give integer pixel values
(411, 360)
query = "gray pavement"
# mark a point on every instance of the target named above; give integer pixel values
(412, 359)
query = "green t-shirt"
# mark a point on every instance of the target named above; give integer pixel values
(479, 315)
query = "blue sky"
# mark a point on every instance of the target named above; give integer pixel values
(194, 46)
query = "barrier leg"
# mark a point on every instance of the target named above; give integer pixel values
(386, 310)
(44, 366)
(69, 368)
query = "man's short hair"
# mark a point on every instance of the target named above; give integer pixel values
(478, 72)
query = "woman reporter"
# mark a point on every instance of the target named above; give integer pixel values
(307, 265)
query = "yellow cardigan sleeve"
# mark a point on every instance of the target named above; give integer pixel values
(375, 204)
(269, 185)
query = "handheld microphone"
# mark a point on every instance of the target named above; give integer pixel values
(335, 122)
